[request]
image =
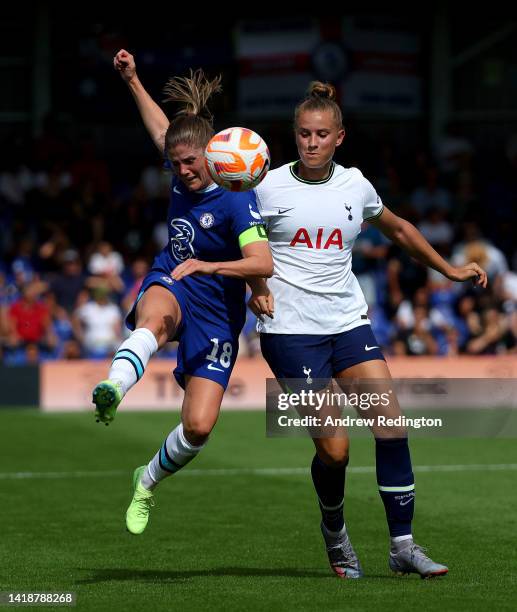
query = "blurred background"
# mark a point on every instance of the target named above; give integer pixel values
(430, 110)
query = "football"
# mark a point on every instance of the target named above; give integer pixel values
(237, 159)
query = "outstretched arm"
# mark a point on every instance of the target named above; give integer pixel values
(405, 235)
(155, 120)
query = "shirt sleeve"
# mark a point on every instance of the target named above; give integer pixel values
(372, 203)
(245, 216)
(260, 205)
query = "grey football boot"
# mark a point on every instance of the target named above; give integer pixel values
(412, 560)
(342, 557)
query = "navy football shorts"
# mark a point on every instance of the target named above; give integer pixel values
(318, 357)
(208, 345)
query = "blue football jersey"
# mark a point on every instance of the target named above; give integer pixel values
(207, 226)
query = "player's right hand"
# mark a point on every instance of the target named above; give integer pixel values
(124, 63)
(471, 271)
(262, 304)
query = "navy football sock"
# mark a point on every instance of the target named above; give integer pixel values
(396, 483)
(329, 483)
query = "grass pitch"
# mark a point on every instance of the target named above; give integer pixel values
(239, 528)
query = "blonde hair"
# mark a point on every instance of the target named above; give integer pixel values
(320, 97)
(477, 251)
(193, 122)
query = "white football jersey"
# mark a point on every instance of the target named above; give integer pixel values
(312, 227)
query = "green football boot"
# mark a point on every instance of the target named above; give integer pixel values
(137, 513)
(107, 395)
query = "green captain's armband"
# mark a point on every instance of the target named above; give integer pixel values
(253, 234)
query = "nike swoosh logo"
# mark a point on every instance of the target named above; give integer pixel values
(211, 366)
(176, 190)
(283, 211)
(369, 348)
(254, 214)
(405, 503)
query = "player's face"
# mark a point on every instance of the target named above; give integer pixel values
(317, 137)
(188, 163)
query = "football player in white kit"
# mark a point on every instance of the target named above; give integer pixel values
(313, 210)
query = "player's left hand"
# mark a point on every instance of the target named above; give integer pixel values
(470, 271)
(193, 266)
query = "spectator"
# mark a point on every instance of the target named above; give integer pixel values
(467, 322)
(155, 183)
(437, 230)
(370, 250)
(139, 269)
(430, 195)
(404, 277)
(439, 320)
(51, 251)
(29, 321)
(488, 257)
(98, 325)
(23, 264)
(67, 345)
(4, 310)
(68, 287)
(489, 340)
(105, 261)
(480, 250)
(106, 266)
(417, 340)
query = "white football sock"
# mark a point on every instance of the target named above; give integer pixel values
(400, 542)
(396, 539)
(132, 357)
(174, 454)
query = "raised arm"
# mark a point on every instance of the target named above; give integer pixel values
(155, 120)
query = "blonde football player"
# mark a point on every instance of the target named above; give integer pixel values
(313, 210)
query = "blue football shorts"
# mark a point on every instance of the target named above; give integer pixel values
(208, 345)
(305, 358)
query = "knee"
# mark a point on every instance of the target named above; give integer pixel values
(197, 431)
(157, 326)
(334, 458)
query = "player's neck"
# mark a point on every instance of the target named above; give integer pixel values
(313, 174)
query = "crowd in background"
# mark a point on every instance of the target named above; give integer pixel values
(77, 239)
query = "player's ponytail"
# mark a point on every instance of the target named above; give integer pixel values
(320, 97)
(193, 122)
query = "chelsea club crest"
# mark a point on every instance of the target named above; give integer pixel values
(206, 220)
